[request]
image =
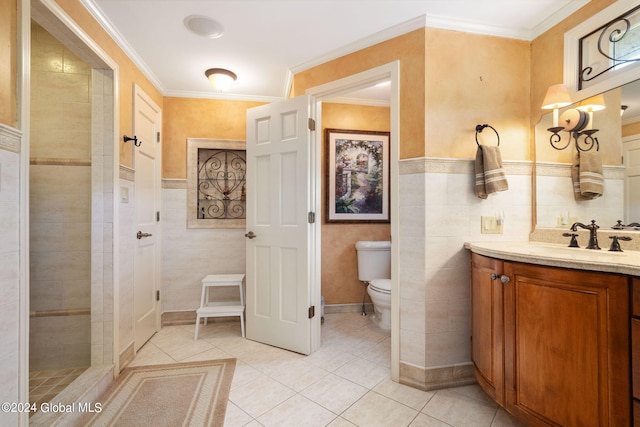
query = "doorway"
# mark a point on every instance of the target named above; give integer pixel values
(60, 216)
(341, 89)
(97, 163)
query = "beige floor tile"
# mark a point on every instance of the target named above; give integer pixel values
(503, 419)
(459, 410)
(330, 358)
(260, 395)
(344, 384)
(235, 417)
(298, 411)
(363, 372)
(149, 354)
(334, 393)
(340, 422)
(375, 410)
(423, 420)
(409, 396)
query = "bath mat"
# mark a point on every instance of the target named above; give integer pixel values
(180, 394)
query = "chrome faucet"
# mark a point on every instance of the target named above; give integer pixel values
(593, 233)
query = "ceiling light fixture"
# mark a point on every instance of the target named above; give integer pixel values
(203, 26)
(220, 78)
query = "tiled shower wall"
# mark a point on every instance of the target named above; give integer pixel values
(10, 141)
(439, 212)
(60, 206)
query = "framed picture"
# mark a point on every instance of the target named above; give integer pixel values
(357, 176)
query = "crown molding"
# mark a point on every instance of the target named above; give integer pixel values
(222, 96)
(379, 37)
(99, 16)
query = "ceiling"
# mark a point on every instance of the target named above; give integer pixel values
(265, 42)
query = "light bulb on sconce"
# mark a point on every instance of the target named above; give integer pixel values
(589, 105)
(557, 97)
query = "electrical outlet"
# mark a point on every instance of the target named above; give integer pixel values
(489, 225)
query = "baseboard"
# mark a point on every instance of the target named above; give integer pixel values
(126, 356)
(348, 308)
(436, 378)
(188, 317)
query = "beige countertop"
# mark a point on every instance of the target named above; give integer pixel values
(560, 255)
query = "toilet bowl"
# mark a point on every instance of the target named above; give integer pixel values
(379, 291)
(374, 268)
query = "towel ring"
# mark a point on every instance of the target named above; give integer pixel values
(480, 128)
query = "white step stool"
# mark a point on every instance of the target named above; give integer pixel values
(220, 308)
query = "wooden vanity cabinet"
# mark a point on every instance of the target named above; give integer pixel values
(487, 325)
(566, 343)
(635, 349)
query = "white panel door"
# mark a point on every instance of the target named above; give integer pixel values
(146, 126)
(281, 255)
(632, 179)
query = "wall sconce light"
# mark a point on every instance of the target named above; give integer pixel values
(557, 97)
(578, 122)
(623, 108)
(220, 78)
(574, 122)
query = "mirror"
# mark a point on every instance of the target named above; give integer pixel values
(555, 203)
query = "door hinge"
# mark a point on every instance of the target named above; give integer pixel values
(157, 216)
(312, 124)
(158, 295)
(312, 311)
(157, 136)
(311, 217)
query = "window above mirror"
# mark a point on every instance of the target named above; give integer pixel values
(603, 52)
(609, 49)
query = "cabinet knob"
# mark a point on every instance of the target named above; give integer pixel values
(505, 279)
(494, 276)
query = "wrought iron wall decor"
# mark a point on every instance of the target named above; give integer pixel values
(216, 174)
(221, 184)
(618, 44)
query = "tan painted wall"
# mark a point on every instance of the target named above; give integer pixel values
(409, 50)
(8, 55)
(631, 129)
(340, 284)
(198, 118)
(129, 73)
(449, 82)
(474, 79)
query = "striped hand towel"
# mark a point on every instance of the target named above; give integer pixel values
(489, 172)
(586, 173)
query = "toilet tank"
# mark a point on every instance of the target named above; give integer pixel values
(374, 260)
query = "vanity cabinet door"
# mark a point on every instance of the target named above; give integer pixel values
(487, 326)
(566, 346)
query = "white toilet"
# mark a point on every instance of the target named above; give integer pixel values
(374, 267)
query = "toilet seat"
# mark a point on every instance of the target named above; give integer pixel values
(382, 286)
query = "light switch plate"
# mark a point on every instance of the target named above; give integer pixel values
(489, 225)
(124, 194)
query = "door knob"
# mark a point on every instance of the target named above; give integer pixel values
(250, 235)
(140, 235)
(505, 279)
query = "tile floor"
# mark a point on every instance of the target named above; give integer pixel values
(45, 385)
(345, 383)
